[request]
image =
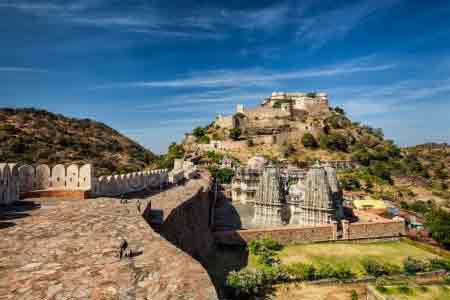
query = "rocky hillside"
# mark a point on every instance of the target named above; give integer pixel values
(33, 136)
(386, 171)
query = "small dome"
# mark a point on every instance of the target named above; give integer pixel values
(256, 162)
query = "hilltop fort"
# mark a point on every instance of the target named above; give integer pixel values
(280, 119)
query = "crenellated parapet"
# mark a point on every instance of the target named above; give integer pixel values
(115, 185)
(59, 177)
(9, 183)
(71, 180)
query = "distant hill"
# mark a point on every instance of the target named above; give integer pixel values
(29, 135)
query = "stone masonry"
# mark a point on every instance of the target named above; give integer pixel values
(65, 250)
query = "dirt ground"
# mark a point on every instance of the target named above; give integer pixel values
(317, 292)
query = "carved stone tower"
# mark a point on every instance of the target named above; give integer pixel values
(269, 202)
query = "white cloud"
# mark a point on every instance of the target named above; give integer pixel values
(397, 97)
(318, 29)
(256, 77)
(21, 69)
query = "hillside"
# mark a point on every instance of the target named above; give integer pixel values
(385, 170)
(28, 135)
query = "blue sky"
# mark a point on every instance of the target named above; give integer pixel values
(155, 69)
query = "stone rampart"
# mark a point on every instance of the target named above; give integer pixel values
(322, 233)
(41, 180)
(288, 235)
(371, 230)
(115, 185)
(59, 177)
(9, 183)
(77, 250)
(185, 221)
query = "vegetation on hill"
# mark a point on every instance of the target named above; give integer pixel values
(32, 136)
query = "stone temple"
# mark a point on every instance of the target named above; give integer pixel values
(313, 201)
(269, 206)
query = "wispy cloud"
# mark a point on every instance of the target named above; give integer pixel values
(21, 69)
(256, 77)
(399, 96)
(318, 29)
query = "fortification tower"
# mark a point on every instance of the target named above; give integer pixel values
(269, 203)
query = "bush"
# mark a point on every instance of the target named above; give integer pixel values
(404, 289)
(309, 141)
(380, 170)
(377, 269)
(224, 175)
(440, 264)
(380, 284)
(354, 295)
(437, 221)
(257, 247)
(198, 132)
(246, 282)
(342, 271)
(334, 142)
(235, 133)
(412, 266)
(300, 271)
(203, 140)
(339, 110)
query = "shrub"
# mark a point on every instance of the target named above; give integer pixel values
(440, 264)
(342, 271)
(380, 284)
(224, 175)
(235, 133)
(324, 271)
(447, 279)
(334, 141)
(300, 271)
(339, 110)
(203, 140)
(354, 295)
(377, 269)
(256, 247)
(198, 132)
(246, 282)
(309, 141)
(412, 266)
(437, 221)
(404, 289)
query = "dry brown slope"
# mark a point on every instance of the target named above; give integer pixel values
(29, 135)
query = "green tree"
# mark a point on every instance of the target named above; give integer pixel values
(437, 221)
(235, 133)
(309, 141)
(198, 132)
(203, 140)
(339, 110)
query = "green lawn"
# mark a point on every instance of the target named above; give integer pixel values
(349, 253)
(424, 292)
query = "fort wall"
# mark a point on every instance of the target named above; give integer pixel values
(73, 180)
(9, 183)
(322, 233)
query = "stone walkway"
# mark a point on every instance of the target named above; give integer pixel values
(70, 250)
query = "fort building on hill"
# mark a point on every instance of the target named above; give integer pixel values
(278, 119)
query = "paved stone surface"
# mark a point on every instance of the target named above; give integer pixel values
(70, 250)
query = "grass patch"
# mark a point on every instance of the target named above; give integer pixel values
(349, 254)
(429, 292)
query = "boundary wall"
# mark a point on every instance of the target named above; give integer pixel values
(76, 181)
(9, 183)
(323, 233)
